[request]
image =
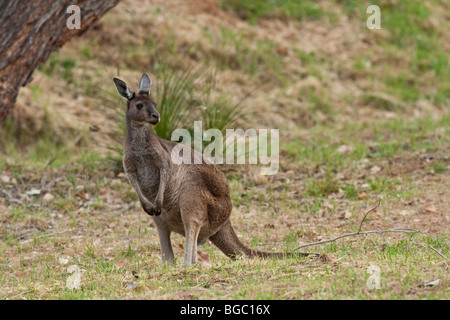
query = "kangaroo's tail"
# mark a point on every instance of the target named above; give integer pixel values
(228, 242)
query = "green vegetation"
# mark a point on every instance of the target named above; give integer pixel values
(179, 106)
(255, 10)
(173, 94)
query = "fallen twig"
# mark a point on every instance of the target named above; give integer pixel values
(48, 234)
(364, 218)
(11, 197)
(359, 232)
(435, 250)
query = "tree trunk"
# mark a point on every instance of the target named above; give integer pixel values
(31, 31)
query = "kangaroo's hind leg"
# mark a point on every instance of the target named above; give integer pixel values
(193, 222)
(164, 241)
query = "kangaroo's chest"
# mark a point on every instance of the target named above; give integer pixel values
(147, 174)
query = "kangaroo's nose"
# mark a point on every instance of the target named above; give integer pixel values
(154, 117)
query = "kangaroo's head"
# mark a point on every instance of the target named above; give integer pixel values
(141, 109)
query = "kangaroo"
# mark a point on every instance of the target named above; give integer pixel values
(190, 199)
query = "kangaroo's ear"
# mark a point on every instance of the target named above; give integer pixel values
(123, 89)
(145, 84)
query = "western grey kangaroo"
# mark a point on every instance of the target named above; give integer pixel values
(190, 199)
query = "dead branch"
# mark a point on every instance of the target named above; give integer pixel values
(435, 250)
(359, 232)
(364, 218)
(12, 199)
(404, 230)
(46, 235)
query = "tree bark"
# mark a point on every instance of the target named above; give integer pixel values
(30, 32)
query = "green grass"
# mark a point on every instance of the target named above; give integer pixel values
(59, 64)
(255, 10)
(50, 149)
(179, 106)
(387, 139)
(171, 95)
(219, 111)
(232, 50)
(408, 24)
(44, 277)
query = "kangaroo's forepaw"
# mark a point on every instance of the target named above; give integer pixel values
(156, 212)
(152, 210)
(158, 206)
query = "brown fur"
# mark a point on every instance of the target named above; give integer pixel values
(189, 199)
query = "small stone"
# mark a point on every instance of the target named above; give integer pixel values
(375, 169)
(48, 197)
(345, 149)
(33, 192)
(131, 286)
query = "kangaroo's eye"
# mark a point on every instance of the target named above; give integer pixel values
(139, 106)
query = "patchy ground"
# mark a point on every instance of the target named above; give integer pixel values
(362, 115)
